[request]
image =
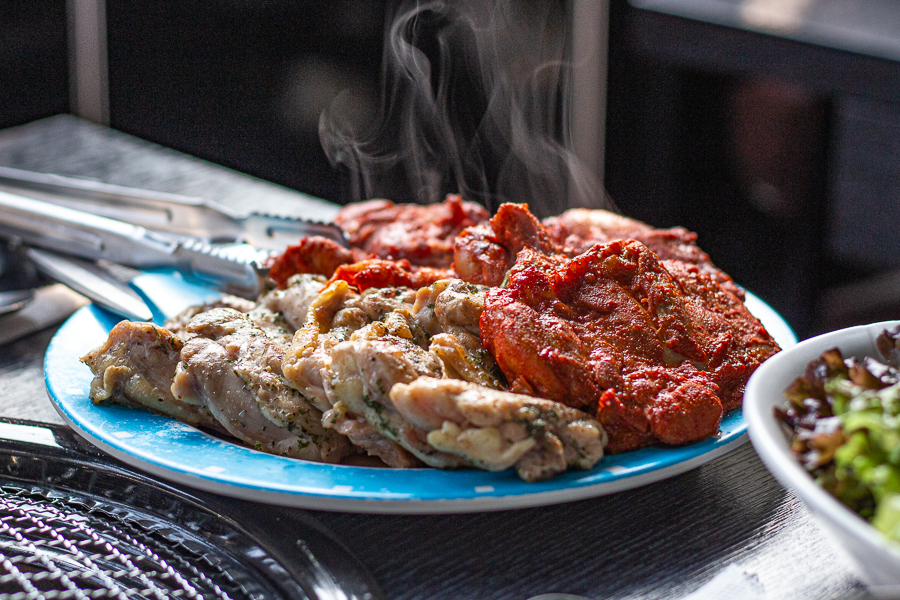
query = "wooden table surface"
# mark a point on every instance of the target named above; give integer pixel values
(659, 541)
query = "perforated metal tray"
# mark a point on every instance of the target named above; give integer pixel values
(77, 524)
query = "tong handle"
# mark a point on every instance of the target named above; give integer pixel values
(36, 223)
(172, 213)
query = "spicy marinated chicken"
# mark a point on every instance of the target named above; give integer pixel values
(423, 235)
(380, 273)
(578, 229)
(734, 341)
(390, 244)
(612, 331)
(484, 254)
(315, 255)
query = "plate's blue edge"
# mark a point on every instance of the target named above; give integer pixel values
(180, 452)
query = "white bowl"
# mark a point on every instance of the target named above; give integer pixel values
(877, 559)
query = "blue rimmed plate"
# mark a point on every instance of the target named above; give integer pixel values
(180, 453)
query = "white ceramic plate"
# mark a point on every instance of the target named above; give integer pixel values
(877, 559)
(178, 452)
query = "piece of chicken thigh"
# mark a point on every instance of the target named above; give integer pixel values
(496, 430)
(235, 369)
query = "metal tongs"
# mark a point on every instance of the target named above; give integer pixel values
(51, 232)
(171, 213)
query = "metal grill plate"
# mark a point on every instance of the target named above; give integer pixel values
(76, 524)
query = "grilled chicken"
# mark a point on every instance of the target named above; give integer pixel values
(496, 430)
(578, 229)
(423, 235)
(556, 338)
(233, 367)
(135, 367)
(355, 347)
(484, 254)
(178, 324)
(292, 302)
(313, 254)
(608, 331)
(448, 311)
(332, 318)
(734, 341)
(361, 375)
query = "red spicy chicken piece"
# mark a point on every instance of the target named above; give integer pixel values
(378, 273)
(608, 331)
(734, 340)
(484, 254)
(578, 229)
(421, 234)
(311, 255)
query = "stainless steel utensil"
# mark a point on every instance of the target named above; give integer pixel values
(34, 223)
(170, 213)
(90, 281)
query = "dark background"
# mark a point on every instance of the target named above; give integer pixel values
(759, 162)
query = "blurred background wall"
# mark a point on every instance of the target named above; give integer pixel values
(33, 61)
(779, 152)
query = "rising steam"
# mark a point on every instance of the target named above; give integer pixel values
(475, 101)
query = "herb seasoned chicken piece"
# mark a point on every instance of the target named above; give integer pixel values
(278, 312)
(135, 367)
(235, 369)
(496, 430)
(448, 311)
(359, 380)
(332, 318)
(178, 324)
(293, 301)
